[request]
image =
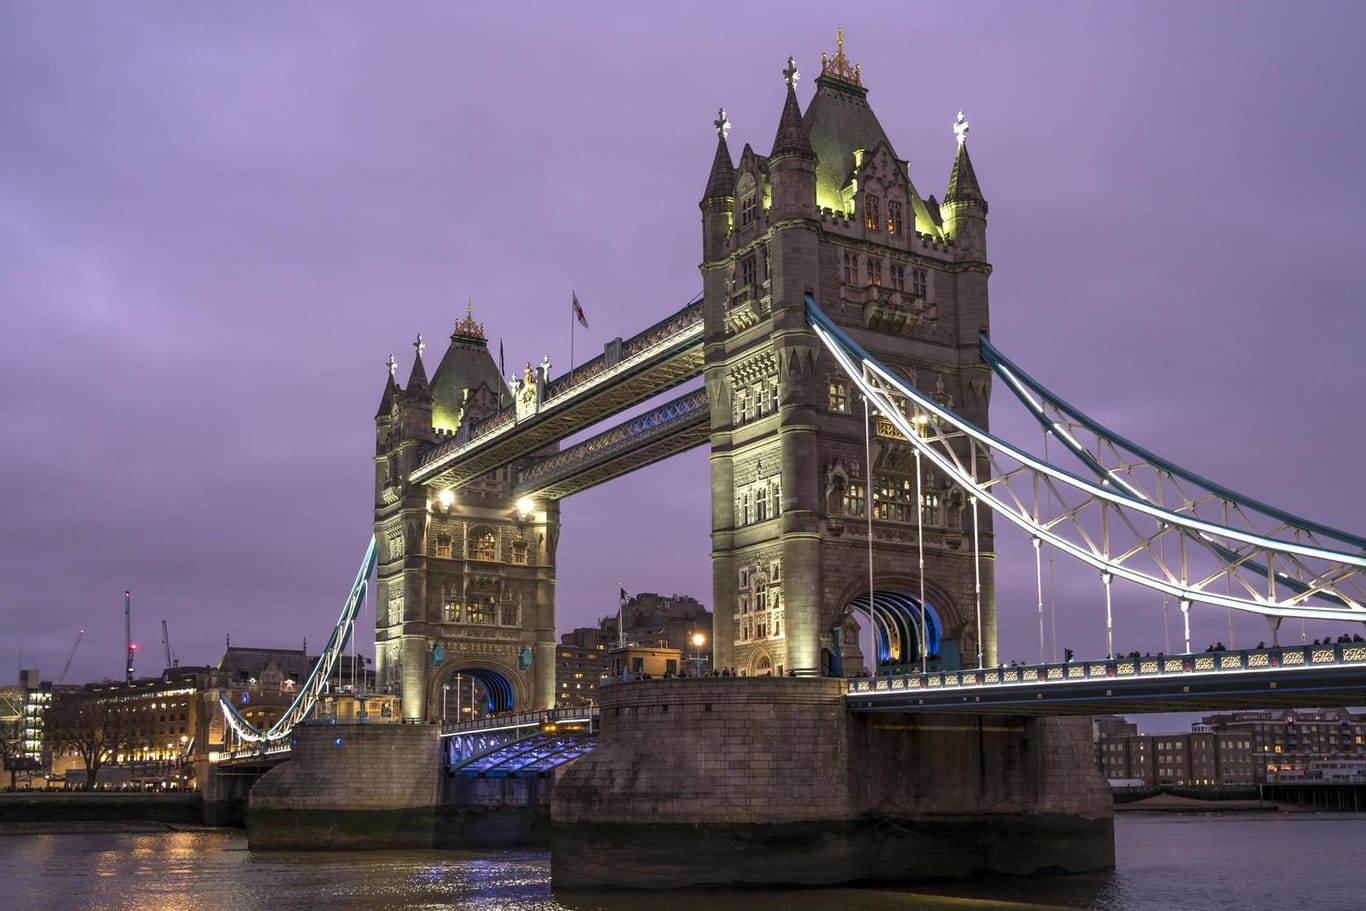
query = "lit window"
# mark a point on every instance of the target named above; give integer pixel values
(853, 499)
(443, 545)
(872, 213)
(519, 552)
(483, 544)
(839, 397)
(874, 271)
(894, 225)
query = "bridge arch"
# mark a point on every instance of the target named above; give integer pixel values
(895, 613)
(761, 664)
(497, 688)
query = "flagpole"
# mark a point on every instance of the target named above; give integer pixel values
(572, 317)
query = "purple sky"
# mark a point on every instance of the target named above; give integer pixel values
(217, 223)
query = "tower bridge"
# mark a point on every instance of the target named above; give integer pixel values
(843, 342)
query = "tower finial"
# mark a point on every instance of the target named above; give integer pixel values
(838, 66)
(467, 327)
(722, 124)
(790, 75)
(960, 128)
(420, 345)
(393, 367)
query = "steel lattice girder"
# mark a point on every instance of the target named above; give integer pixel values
(668, 430)
(1087, 520)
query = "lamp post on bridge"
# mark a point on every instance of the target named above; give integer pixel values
(698, 640)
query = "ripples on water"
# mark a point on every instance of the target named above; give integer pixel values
(1166, 863)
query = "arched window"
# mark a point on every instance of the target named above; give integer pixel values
(894, 225)
(872, 213)
(763, 667)
(483, 544)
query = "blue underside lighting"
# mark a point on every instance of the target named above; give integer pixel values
(899, 613)
(497, 689)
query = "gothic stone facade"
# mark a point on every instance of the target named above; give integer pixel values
(465, 580)
(832, 212)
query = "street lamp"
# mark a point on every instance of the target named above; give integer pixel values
(698, 640)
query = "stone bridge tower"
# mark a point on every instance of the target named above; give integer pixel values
(831, 211)
(465, 578)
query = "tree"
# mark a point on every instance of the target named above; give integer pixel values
(12, 746)
(95, 730)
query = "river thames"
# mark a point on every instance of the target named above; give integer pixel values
(1165, 863)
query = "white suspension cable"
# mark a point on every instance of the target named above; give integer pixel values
(868, 502)
(977, 578)
(920, 570)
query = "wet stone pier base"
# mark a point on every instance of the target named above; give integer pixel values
(769, 781)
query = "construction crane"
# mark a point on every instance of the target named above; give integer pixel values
(75, 645)
(166, 645)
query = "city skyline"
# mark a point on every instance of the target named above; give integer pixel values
(215, 226)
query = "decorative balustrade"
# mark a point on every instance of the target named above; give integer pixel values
(1288, 659)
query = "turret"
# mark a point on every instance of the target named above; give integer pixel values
(384, 422)
(792, 163)
(964, 209)
(412, 429)
(718, 200)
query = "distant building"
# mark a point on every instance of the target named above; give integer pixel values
(155, 730)
(1240, 748)
(652, 621)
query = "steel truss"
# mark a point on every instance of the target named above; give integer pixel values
(1149, 477)
(1110, 524)
(318, 679)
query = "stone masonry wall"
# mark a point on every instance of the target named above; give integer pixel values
(375, 766)
(713, 750)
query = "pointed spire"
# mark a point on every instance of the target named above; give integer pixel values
(963, 186)
(791, 138)
(418, 378)
(721, 181)
(386, 402)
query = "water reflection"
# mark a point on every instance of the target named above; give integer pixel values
(1165, 863)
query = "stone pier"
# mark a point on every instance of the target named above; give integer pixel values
(359, 786)
(770, 781)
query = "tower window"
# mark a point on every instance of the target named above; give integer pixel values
(851, 268)
(483, 545)
(853, 499)
(874, 271)
(519, 552)
(898, 276)
(920, 283)
(747, 209)
(872, 213)
(839, 397)
(894, 225)
(443, 545)
(748, 270)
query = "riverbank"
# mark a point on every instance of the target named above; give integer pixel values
(20, 811)
(1171, 803)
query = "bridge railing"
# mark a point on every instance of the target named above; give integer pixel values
(1286, 658)
(587, 714)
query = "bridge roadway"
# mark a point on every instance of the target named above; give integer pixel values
(1261, 678)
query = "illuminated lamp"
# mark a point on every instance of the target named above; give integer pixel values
(446, 498)
(524, 507)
